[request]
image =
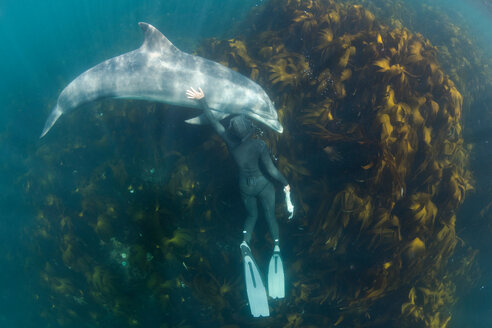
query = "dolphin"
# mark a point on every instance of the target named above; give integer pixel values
(158, 71)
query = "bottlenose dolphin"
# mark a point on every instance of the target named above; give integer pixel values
(158, 71)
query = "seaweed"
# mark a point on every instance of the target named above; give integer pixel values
(373, 150)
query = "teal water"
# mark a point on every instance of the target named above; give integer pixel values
(45, 44)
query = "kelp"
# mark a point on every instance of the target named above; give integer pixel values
(372, 148)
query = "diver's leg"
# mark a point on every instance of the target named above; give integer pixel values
(255, 288)
(276, 279)
(252, 209)
(267, 199)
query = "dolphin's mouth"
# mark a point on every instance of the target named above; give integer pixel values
(274, 124)
(270, 122)
(277, 126)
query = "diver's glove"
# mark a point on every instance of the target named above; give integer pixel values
(290, 206)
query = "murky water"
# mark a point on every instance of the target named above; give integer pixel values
(125, 216)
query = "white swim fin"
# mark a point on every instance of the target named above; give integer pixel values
(276, 283)
(257, 297)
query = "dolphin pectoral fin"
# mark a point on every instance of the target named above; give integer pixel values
(155, 41)
(202, 119)
(55, 114)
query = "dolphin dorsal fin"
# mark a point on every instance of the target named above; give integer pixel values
(155, 41)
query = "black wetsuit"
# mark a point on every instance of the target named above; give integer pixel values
(253, 185)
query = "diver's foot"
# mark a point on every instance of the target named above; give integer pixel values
(276, 280)
(255, 288)
(276, 247)
(244, 248)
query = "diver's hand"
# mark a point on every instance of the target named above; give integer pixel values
(193, 94)
(288, 201)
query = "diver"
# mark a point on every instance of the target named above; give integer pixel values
(248, 153)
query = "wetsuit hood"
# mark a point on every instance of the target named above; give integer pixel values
(241, 127)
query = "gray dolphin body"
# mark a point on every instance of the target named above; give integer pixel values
(158, 71)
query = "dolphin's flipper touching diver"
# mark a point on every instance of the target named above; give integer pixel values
(158, 71)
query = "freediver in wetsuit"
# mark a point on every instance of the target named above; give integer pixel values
(253, 185)
(248, 153)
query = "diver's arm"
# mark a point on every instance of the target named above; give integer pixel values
(275, 173)
(218, 127)
(266, 160)
(200, 96)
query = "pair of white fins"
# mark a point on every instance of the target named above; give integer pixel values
(255, 288)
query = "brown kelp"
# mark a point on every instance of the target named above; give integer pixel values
(138, 220)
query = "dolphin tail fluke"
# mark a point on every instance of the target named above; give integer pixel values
(55, 114)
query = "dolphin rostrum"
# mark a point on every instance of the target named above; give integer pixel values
(158, 71)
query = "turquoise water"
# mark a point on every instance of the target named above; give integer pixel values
(45, 44)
